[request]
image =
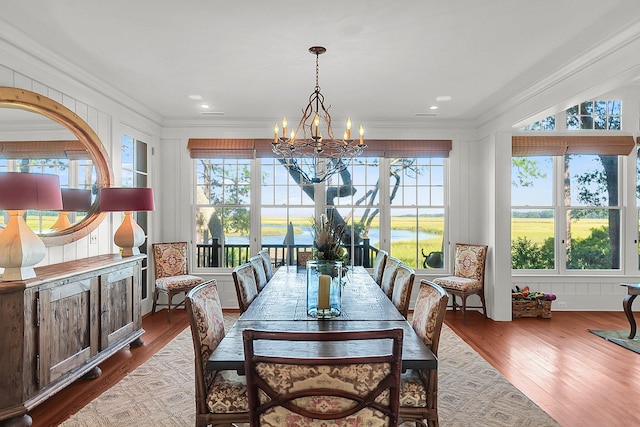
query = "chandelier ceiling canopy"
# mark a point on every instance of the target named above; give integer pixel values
(311, 150)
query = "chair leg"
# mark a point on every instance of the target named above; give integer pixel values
(155, 300)
(453, 303)
(464, 309)
(484, 306)
(169, 301)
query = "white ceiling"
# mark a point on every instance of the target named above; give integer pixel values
(386, 60)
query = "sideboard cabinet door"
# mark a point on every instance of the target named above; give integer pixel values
(120, 299)
(68, 321)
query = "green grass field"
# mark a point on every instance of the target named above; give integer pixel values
(539, 229)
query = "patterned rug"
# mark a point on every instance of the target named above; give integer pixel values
(619, 337)
(161, 391)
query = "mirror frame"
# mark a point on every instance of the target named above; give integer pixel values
(26, 100)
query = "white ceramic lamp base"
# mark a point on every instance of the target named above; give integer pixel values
(129, 236)
(21, 249)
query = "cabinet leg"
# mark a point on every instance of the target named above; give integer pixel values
(93, 373)
(136, 343)
(19, 421)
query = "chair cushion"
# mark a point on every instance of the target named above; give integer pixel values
(228, 393)
(469, 261)
(413, 392)
(182, 282)
(459, 283)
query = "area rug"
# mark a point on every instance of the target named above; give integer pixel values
(161, 392)
(620, 338)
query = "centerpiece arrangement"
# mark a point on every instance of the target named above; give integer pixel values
(324, 271)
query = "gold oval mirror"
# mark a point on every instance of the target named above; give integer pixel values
(42, 135)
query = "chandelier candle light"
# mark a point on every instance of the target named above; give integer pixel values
(306, 151)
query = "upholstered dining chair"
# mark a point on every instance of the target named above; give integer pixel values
(302, 258)
(170, 264)
(419, 388)
(402, 287)
(221, 396)
(355, 389)
(268, 266)
(378, 266)
(244, 279)
(468, 276)
(389, 275)
(257, 263)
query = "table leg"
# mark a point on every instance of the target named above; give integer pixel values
(626, 304)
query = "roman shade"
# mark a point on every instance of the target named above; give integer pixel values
(201, 148)
(551, 145)
(72, 149)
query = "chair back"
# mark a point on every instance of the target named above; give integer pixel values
(246, 288)
(207, 330)
(378, 267)
(402, 287)
(356, 390)
(428, 313)
(170, 259)
(469, 261)
(302, 258)
(258, 269)
(389, 275)
(268, 267)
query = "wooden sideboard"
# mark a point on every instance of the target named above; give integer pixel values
(59, 326)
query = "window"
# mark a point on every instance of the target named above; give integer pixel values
(600, 115)
(360, 198)
(134, 174)
(223, 200)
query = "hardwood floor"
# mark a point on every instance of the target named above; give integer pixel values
(578, 378)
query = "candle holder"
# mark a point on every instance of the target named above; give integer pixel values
(324, 288)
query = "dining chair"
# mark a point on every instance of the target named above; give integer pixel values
(402, 287)
(268, 266)
(468, 277)
(221, 396)
(244, 279)
(378, 266)
(302, 258)
(170, 266)
(355, 389)
(389, 275)
(257, 263)
(419, 388)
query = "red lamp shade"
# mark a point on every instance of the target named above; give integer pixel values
(76, 200)
(126, 199)
(20, 191)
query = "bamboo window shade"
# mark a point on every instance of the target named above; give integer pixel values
(60, 149)
(203, 148)
(551, 145)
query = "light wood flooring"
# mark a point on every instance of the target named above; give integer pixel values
(575, 376)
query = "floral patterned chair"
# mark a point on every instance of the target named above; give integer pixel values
(170, 264)
(221, 396)
(268, 267)
(468, 276)
(402, 287)
(257, 263)
(378, 266)
(419, 388)
(389, 275)
(353, 390)
(246, 287)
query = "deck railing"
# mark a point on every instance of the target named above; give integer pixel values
(231, 255)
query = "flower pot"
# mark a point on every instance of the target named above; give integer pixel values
(324, 288)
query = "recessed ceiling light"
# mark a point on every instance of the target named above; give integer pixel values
(195, 97)
(205, 106)
(443, 98)
(433, 107)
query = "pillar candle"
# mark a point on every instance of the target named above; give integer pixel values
(323, 292)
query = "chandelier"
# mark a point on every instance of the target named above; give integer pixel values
(306, 151)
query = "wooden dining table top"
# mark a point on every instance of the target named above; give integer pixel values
(281, 306)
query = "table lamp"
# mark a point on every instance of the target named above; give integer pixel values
(20, 247)
(73, 200)
(130, 235)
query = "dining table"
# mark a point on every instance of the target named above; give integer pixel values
(281, 306)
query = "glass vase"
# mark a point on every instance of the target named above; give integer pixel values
(324, 288)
